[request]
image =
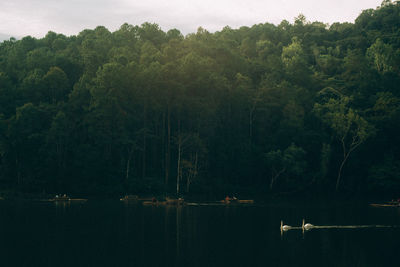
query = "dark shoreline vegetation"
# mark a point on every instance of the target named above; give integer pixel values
(302, 109)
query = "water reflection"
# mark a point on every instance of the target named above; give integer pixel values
(110, 233)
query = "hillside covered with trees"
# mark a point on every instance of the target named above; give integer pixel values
(289, 108)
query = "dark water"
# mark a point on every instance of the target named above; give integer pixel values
(110, 233)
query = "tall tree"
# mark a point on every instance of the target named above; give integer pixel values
(349, 127)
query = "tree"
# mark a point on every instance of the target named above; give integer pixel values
(41, 58)
(56, 83)
(7, 95)
(110, 113)
(120, 105)
(152, 32)
(381, 55)
(385, 175)
(294, 59)
(290, 162)
(26, 136)
(94, 48)
(350, 128)
(58, 139)
(3, 139)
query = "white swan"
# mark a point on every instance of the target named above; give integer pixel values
(306, 226)
(285, 227)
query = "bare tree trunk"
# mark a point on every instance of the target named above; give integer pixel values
(272, 182)
(178, 173)
(168, 150)
(251, 116)
(128, 166)
(127, 169)
(192, 173)
(144, 141)
(251, 123)
(354, 144)
(340, 171)
(144, 157)
(163, 149)
(18, 170)
(275, 177)
(179, 164)
(189, 178)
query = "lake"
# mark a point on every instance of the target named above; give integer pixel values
(113, 233)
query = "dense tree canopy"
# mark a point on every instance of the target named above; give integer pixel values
(264, 109)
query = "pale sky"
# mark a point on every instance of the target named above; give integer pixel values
(37, 17)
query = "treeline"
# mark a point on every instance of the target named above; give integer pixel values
(302, 107)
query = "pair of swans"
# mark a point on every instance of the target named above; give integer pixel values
(304, 226)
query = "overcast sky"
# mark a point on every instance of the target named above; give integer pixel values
(37, 17)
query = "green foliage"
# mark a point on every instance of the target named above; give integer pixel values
(140, 109)
(344, 121)
(56, 81)
(384, 176)
(381, 55)
(288, 164)
(348, 126)
(293, 55)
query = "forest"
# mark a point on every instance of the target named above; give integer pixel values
(295, 108)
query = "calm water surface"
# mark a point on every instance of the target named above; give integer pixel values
(110, 233)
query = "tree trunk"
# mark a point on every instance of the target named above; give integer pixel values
(275, 177)
(164, 149)
(340, 170)
(271, 183)
(168, 149)
(346, 154)
(179, 165)
(251, 125)
(127, 168)
(251, 118)
(189, 178)
(18, 170)
(144, 142)
(178, 172)
(192, 174)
